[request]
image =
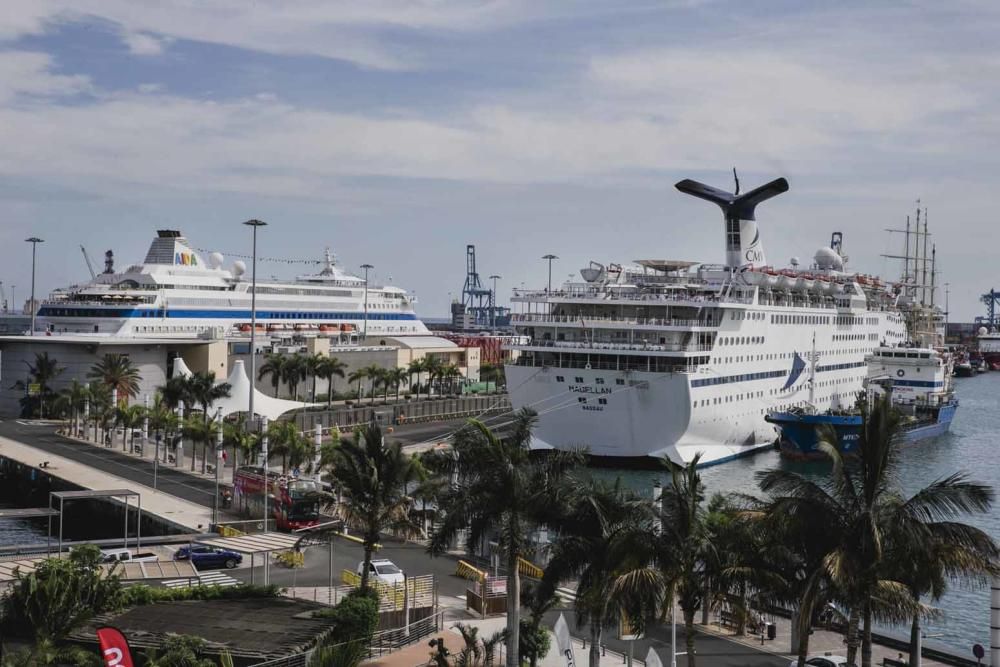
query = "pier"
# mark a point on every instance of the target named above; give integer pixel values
(80, 465)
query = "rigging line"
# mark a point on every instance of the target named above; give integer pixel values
(281, 260)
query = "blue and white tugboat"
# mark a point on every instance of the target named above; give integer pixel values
(918, 380)
(916, 374)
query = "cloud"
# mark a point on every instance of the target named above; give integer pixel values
(26, 75)
(144, 44)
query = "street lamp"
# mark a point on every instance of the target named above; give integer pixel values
(218, 448)
(493, 306)
(34, 241)
(253, 224)
(549, 257)
(364, 334)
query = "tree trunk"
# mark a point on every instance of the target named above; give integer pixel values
(853, 620)
(803, 647)
(329, 393)
(367, 566)
(866, 637)
(314, 389)
(513, 611)
(689, 631)
(595, 643)
(706, 601)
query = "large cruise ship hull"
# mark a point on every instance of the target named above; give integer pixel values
(645, 417)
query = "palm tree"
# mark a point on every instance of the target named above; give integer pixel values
(395, 377)
(274, 367)
(119, 373)
(295, 372)
(488, 372)
(450, 372)
(72, 400)
(416, 367)
(374, 373)
(358, 376)
(373, 476)
(594, 547)
(177, 391)
(294, 447)
(163, 420)
(869, 518)
(41, 373)
(433, 366)
(130, 418)
(204, 391)
(199, 430)
(328, 368)
(312, 367)
(499, 489)
(245, 445)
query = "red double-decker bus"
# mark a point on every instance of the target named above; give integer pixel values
(293, 502)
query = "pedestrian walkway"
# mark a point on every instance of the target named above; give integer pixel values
(820, 642)
(207, 579)
(183, 514)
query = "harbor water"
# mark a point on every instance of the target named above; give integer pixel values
(970, 446)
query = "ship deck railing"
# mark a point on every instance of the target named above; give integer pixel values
(586, 320)
(596, 364)
(571, 346)
(594, 294)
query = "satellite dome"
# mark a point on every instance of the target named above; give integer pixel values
(795, 261)
(982, 331)
(827, 258)
(215, 260)
(239, 268)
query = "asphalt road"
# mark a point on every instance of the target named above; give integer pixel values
(112, 461)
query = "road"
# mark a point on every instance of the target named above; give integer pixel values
(112, 461)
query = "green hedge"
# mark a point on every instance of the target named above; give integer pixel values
(355, 617)
(134, 596)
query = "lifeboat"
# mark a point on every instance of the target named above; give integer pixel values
(328, 327)
(788, 279)
(824, 284)
(347, 327)
(807, 282)
(771, 277)
(245, 328)
(752, 276)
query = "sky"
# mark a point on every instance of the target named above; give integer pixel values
(396, 133)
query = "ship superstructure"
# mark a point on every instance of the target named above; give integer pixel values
(674, 358)
(176, 292)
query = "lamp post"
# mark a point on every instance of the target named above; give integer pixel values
(263, 447)
(253, 224)
(34, 241)
(218, 448)
(364, 333)
(549, 257)
(493, 305)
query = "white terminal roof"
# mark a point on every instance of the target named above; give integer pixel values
(423, 342)
(239, 395)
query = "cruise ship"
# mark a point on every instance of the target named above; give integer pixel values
(676, 358)
(176, 292)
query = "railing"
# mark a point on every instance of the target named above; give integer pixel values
(529, 569)
(588, 320)
(388, 641)
(418, 591)
(601, 345)
(600, 294)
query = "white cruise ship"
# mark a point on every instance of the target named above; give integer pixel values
(176, 292)
(675, 358)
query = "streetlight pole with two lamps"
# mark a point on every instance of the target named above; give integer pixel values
(34, 241)
(549, 257)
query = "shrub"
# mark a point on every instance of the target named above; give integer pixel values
(355, 617)
(135, 596)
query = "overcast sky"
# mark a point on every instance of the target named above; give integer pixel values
(397, 132)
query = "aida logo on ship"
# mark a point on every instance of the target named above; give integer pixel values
(185, 259)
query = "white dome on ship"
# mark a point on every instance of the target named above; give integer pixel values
(982, 331)
(215, 260)
(239, 268)
(827, 258)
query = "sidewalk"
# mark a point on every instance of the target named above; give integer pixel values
(187, 516)
(149, 452)
(820, 642)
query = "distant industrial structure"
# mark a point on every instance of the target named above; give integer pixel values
(478, 309)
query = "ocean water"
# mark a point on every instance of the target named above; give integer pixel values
(971, 446)
(21, 531)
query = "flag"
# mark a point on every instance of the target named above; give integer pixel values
(653, 660)
(114, 647)
(563, 641)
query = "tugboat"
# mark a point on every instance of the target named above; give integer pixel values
(917, 375)
(963, 366)
(918, 381)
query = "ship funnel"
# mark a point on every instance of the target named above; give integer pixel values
(743, 244)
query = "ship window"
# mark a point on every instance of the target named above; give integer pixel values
(581, 399)
(560, 378)
(578, 379)
(620, 381)
(602, 401)
(599, 380)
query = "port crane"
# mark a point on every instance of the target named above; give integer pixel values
(990, 300)
(90, 265)
(478, 301)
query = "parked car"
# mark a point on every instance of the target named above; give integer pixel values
(383, 570)
(205, 558)
(126, 556)
(823, 661)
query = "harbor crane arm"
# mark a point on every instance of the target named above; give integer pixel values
(90, 266)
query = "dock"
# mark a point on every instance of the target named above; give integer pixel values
(185, 515)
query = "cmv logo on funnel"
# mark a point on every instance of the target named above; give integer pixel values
(186, 259)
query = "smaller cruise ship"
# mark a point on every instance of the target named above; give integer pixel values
(177, 293)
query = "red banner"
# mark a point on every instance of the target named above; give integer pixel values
(114, 648)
